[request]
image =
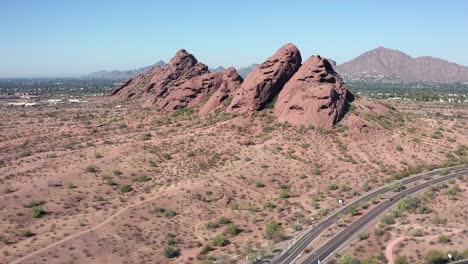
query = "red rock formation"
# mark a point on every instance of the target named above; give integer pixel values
(159, 81)
(267, 80)
(228, 83)
(194, 91)
(315, 95)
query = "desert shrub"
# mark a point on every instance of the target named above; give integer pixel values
(436, 257)
(37, 211)
(167, 156)
(388, 220)
(211, 225)
(272, 230)
(363, 236)
(439, 220)
(171, 252)
(170, 239)
(220, 241)
(260, 184)
(370, 260)
(417, 233)
(425, 209)
(125, 188)
(142, 178)
(353, 210)
(147, 137)
(332, 186)
(399, 148)
(224, 220)
(408, 203)
(26, 233)
(233, 229)
(444, 239)
(344, 188)
(397, 187)
(91, 169)
(98, 155)
(169, 213)
(379, 232)
(453, 191)
(348, 258)
(284, 194)
(34, 203)
(401, 260)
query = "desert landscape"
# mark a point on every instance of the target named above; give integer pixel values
(233, 132)
(195, 177)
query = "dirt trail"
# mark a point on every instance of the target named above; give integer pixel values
(148, 198)
(389, 249)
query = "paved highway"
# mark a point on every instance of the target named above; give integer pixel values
(355, 228)
(314, 231)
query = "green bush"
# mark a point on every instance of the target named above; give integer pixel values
(224, 220)
(388, 220)
(436, 257)
(142, 178)
(125, 188)
(363, 236)
(171, 252)
(26, 233)
(212, 225)
(220, 241)
(332, 186)
(91, 169)
(348, 258)
(37, 211)
(444, 239)
(272, 230)
(233, 229)
(260, 184)
(284, 194)
(401, 260)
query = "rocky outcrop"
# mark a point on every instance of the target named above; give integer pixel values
(220, 85)
(227, 84)
(267, 80)
(158, 82)
(315, 95)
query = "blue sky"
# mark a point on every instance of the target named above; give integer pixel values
(69, 38)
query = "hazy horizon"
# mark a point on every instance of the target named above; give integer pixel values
(63, 39)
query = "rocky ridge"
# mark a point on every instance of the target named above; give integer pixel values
(309, 94)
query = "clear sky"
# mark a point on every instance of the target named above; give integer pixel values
(73, 37)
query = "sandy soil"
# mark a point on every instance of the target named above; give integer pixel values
(187, 171)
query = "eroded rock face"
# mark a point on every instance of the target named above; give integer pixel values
(220, 85)
(315, 95)
(228, 83)
(267, 80)
(158, 82)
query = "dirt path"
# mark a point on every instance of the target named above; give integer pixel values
(389, 249)
(148, 198)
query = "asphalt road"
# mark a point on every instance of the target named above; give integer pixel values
(314, 231)
(353, 230)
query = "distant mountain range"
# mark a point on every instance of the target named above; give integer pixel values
(121, 75)
(383, 62)
(378, 63)
(117, 75)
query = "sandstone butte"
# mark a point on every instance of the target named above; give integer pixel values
(309, 94)
(267, 80)
(315, 95)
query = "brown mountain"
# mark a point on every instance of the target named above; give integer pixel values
(385, 62)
